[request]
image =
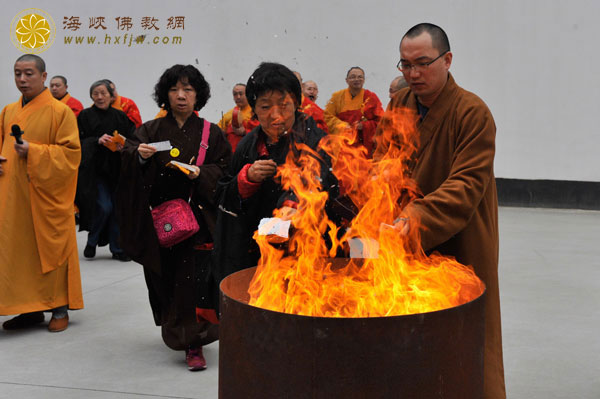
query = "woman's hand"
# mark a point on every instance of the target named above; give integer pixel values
(104, 139)
(261, 170)
(146, 151)
(195, 173)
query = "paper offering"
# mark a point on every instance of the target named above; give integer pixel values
(274, 227)
(117, 142)
(363, 248)
(184, 167)
(161, 145)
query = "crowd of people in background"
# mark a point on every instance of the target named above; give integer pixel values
(120, 175)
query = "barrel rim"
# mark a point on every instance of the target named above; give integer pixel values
(439, 311)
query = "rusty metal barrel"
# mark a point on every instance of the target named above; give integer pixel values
(267, 354)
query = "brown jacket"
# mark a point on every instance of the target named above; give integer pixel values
(458, 209)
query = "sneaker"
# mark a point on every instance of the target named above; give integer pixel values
(23, 321)
(195, 359)
(89, 251)
(58, 325)
(122, 256)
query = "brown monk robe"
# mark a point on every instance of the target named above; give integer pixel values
(458, 209)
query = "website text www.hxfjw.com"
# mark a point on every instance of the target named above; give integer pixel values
(123, 40)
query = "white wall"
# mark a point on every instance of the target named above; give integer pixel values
(533, 62)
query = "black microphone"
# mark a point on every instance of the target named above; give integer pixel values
(17, 133)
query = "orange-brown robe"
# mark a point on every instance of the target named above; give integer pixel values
(73, 103)
(235, 118)
(458, 208)
(39, 263)
(130, 108)
(310, 108)
(342, 111)
(163, 112)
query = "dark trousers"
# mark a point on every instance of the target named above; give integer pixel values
(105, 218)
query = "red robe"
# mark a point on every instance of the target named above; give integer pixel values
(130, 108)
(73, 103)
(232, 119)
(310, 108)
(343, 111)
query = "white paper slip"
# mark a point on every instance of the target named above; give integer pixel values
(274, 226)
(363, 248)
(183, 165)
(162, 145)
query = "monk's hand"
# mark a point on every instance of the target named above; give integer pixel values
(195, 173)
(146, 151)
(2, 160)
(239, 131)
(22, 149)
(402, 225)
(261, 170)
(104, 139)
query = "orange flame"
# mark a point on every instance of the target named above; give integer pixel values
(305, 279)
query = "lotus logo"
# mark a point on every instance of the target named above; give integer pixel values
(32, 31)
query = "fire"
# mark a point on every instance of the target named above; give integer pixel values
(399, 279)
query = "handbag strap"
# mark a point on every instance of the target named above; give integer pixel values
(203, 143)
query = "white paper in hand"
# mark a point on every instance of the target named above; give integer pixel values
(274, 226)
(161, 145)
(363, 248)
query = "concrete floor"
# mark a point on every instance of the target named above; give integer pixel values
(550, 292)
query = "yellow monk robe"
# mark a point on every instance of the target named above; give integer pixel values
(39, 263)
(243, 117)
(342, 111)
(130, 108)
(73, 103)
(161, 114)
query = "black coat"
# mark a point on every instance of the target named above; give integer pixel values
(97, 161)
(238, 218)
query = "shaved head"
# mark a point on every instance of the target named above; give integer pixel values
(39, 62)
(439, 38)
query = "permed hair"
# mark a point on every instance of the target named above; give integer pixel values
(184, 73)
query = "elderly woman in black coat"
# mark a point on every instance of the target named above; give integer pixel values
(249, 192)
(99, 170)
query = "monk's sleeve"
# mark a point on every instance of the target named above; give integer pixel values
(373, 113)
(52, 171)
(332, 108)
(225, 120)
(447, 210)
(133, 113)
(49, 166)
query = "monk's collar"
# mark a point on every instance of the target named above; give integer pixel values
(25, 101)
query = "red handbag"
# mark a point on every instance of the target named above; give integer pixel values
(174, 220)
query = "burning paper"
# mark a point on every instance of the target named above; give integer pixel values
(304, 279)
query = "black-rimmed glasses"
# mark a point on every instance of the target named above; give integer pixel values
(419, 66)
